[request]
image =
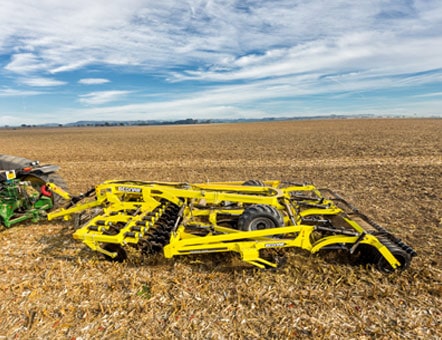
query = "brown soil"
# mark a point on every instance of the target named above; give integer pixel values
(52, 286)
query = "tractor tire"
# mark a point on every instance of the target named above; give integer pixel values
(8, 162)
(260, 217)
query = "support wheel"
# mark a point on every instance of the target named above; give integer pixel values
(401, 255)
(259, 217)
(254, 183)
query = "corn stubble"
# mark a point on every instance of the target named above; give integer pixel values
(53, 287)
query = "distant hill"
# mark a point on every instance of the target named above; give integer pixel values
(191, 121)
(197, 121)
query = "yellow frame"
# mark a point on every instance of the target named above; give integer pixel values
(118, 199)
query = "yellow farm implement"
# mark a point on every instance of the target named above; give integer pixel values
(254, 219)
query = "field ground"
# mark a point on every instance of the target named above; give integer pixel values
(51, 286)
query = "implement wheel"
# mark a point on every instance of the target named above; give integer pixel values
(254, 183)
(401, 255)
(259, 217)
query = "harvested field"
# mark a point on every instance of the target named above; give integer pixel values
(51, 286)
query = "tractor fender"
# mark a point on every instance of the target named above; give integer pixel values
(45, 169)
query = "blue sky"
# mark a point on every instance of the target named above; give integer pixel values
(64, 61)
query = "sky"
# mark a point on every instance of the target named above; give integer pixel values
(68, 61)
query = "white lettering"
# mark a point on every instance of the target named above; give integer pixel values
(271, 245)
(129, 189)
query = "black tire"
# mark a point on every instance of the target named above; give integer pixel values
(38, 181)
(254, 183)
(259, 217)
(401, 255)
(8, 162)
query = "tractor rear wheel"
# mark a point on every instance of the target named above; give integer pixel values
(8, 162)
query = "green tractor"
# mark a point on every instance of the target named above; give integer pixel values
(24, 194)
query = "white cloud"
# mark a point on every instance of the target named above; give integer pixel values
(432, 94)
(368, 52)
(71, 66)
(9, 120)
(276, 49)
(152, 34)
(24, 63)
(286, 96)
(93, 81)
(41, 82)
(155, 34)
(17, 93)
(102, 97)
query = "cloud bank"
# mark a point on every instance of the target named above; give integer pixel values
(208, 58)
